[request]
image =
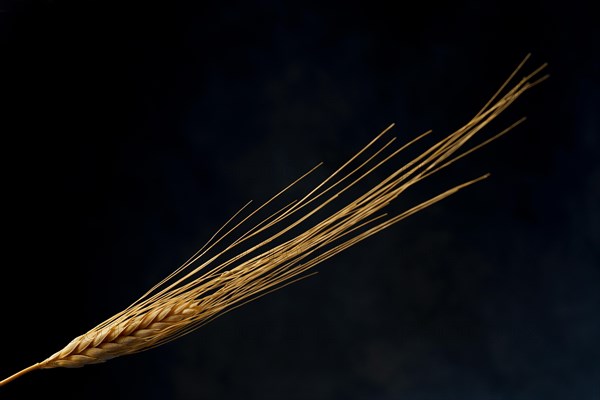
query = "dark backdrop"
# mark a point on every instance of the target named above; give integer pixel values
(131, 131)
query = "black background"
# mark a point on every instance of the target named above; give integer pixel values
(131, 131)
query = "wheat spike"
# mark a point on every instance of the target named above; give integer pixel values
(263, 258)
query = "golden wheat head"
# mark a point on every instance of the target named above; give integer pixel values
(282, 247)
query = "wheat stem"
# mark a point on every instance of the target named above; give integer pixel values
(20, 373)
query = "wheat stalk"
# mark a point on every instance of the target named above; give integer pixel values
(262, 259)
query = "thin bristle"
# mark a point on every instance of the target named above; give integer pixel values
(270, 254)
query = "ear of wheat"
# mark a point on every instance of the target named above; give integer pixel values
(262, 259)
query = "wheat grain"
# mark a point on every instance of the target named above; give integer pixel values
(209, 285)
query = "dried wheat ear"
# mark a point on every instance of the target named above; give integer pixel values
(264, 257)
